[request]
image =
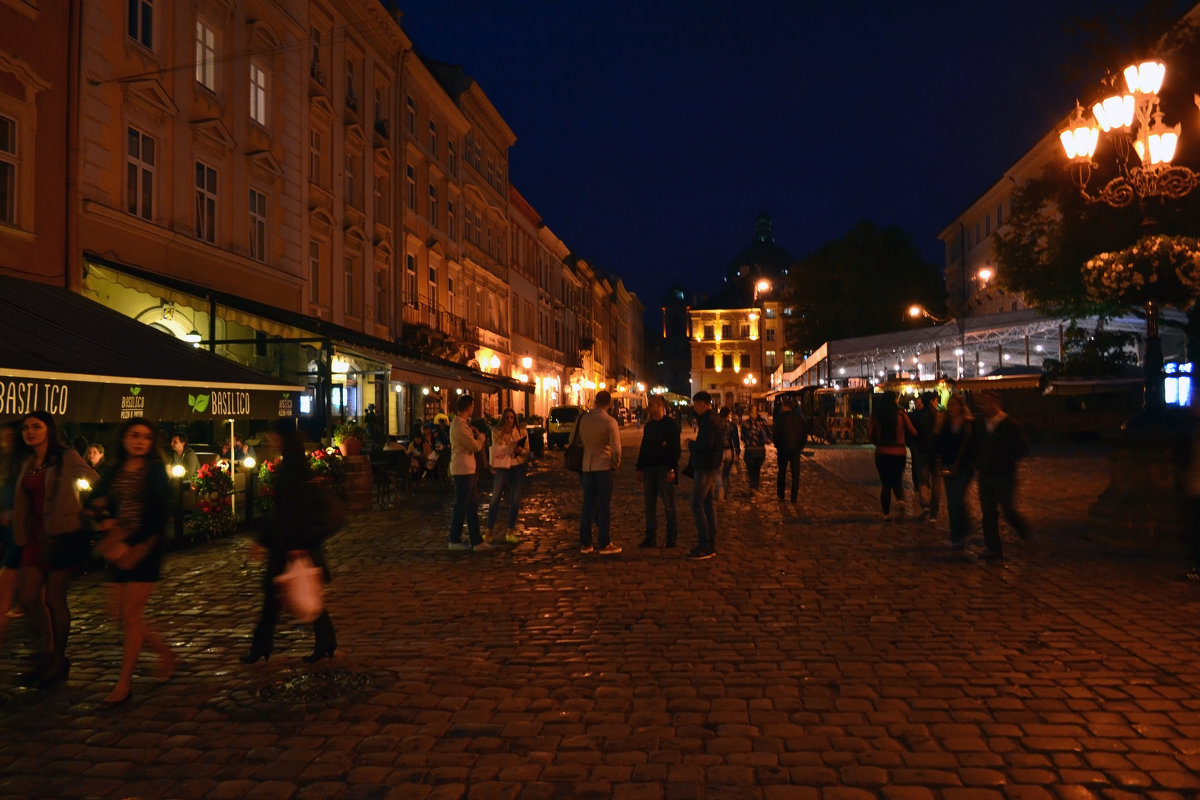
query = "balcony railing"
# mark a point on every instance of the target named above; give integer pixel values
(440, 320)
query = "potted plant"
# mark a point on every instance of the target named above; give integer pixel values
(349, 437)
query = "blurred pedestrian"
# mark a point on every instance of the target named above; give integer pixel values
(999, 444)
(953, 439)
(133, 498)
(465, 442)
(923, 455)
(47, 523)
(509, 455)
(705, 452)
(888, 430)
(731, 451)
(657, 460)
(293, 530)
(756, 434)
(601, 438)
(10, 560)
(790, 437)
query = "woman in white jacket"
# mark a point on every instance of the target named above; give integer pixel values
(465, 442)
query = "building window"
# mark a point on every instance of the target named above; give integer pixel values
(381, 295)
(206, 56)
(987, 225)
(433, 138)
(745, 333)
(314, 157)
(978, 238)
(314, 272)
(433, 287)
(726, 331)
(206, 203)
(351, 173)
(141, 22)
(351, 95)
(769, 312)
(351, 304)
(410, 114)
(410, 280)
(709, 361)
(139, 175)
(314, 65)
(769, 359)
(8, 170)
(727, 361)
(258, 225)
(770, 334)
(451, 223)
(410, 177)
(745, 360)
(258, 94)
(433, 205)
(451, 158)
(382, 208)
(708, 331)
(999, 215)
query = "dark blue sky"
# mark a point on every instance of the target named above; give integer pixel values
(650, 133)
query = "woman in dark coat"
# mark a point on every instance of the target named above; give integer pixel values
(133, 496)
(294, 528)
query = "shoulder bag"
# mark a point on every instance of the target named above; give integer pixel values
(573, 457)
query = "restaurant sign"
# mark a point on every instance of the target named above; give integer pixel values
(80, 398)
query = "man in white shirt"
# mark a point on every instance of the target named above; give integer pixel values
(601, 438)
(465, 442)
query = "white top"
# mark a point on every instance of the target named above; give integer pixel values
(465, 442)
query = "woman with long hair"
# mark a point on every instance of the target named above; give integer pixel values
(293, 528)
(888, 430)
(47, 524)
(133, 499)
(10, 561)
(509, 456)
(953, 437)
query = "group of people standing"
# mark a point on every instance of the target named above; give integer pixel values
(951, 446)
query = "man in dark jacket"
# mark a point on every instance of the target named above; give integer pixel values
(925, 483)
(790, 436)
(657, 460)
(999, 445)
(706, 463)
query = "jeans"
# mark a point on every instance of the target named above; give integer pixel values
(786, 460)
(996, 497)
(466, 508)
(754, 462)
(924, 465)
(597, 505)
(704, 489)
(512, 477)
(727, 461)
(891, 478)
(655, 484)
(956, 503)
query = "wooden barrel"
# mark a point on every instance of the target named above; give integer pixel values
(356, 484)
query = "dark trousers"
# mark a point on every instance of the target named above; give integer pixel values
(891, 478)
(264, 631)
(704, 490)
(996, 498)
(754, 462)
(597, 505)
(655, 485)
(788, 460)
(956, 503)
(466, 509)
(924, 474)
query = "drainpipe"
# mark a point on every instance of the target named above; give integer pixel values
(72, 268)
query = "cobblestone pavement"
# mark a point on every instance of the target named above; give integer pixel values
(822, 654)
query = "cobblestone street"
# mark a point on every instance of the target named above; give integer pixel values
(822, 654)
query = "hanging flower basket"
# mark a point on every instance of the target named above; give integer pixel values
(1157, 267)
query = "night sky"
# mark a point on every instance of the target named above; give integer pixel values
(650, 133)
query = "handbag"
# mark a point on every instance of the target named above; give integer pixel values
(124, 556)
(501, 456)
(573, 457)
(300, 588)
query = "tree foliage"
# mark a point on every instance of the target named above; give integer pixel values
(860, 285)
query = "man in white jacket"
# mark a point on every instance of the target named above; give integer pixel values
(601, 438)
(465, 442)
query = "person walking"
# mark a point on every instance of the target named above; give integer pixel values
(953, 437)
(509, 455)
(657, 460)
(999, 444)
(706, 465)
(924, 457)
(601, 438)
(731, 450)
(132, 498)
(790, 436)
(294, 528)
(465, 442)
(888, 430)
(755, 436)
(47, 524)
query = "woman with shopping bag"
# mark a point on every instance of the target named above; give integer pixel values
(294, 532)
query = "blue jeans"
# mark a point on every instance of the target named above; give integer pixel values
(655, 484)
(512, 477)
(466, 508)
(597, 505)
(704, 489)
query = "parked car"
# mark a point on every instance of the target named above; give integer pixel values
(560, 424)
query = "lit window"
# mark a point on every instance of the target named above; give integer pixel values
(708, 331)
(258, 94)
(206, 56)
(206, 203)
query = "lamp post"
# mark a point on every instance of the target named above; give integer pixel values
(916, 311)
(761, 287)
(1143, 146)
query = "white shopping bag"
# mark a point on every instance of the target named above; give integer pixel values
(301, 589)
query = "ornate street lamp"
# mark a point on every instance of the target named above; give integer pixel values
(1144, 147)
